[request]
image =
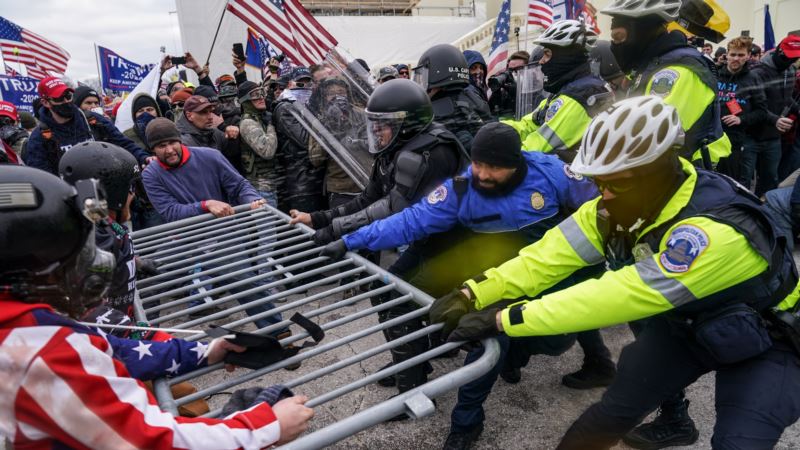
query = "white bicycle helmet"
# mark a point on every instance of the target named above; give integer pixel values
(633, 132)
(665, 9)
(565, 33)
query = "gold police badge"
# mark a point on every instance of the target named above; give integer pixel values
(537, 201)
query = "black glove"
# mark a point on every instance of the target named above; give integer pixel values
(476, 326)
(324, 236)
(146, 267)
(334, 250)
(449, 309)
(795, 215)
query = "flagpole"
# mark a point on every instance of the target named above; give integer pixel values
(214, 41)
(99, 74)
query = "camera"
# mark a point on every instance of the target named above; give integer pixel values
(498, 81)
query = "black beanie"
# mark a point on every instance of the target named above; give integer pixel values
(497, 144)
(82, 93)
(143, 100)
(160, 130)
(245, 88)
(207, 91)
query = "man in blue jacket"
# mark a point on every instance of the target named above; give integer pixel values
(506, 200)
(189, 181)
(62, 125)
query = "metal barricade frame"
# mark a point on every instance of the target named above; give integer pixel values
(259, 235)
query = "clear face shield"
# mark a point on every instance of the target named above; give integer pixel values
(530, 84)
(420, 76)
(87, 279)
(344, 65)
(383, 129)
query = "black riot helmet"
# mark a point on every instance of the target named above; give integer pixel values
(603, 62)
(113, 166)
(47, 239)
(397, 111)
(442, 65)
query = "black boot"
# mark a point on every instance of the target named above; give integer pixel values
(463, 441)
(671, 427)
(595, 372)
(391, 381)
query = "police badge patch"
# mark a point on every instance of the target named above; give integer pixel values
(663, 82)
(684, 245)
(553, 109)
(537, 201)
(570, 174)
(438, 195)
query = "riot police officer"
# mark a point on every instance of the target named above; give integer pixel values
(443, 72)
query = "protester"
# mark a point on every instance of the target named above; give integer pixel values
(742, 106)
(198, 129)
(762, 153)
(477, 72)
(27, 121)
(188, 181)
(402, 71)
(259, 143)
(62, 125)
(101, 398)
(387, 73)
(11, 131)
(87, 99)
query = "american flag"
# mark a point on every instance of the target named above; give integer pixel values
(499, 53)
(28, 48)
(540, 12)
(288, 26)
(10, 71)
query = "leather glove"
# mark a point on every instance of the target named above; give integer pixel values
(146, 267)
(476, 326)
(449, 309)
(324, 236)
(334, 250)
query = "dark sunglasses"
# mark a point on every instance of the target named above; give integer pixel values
(178, 104)
(67, 97)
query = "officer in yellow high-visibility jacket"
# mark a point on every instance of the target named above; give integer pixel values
(663, 63)
(689, 250)
(557, 124)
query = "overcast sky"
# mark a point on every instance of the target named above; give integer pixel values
(135, 29)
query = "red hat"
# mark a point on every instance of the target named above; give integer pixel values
(9, 110)
(197, 103)
(790, 46)
(52, 87)
(180, 96)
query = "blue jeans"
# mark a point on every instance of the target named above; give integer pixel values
(468, 412)
(760, 158)
(142, 218)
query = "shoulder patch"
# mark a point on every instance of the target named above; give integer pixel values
(684, 245)
(553, 109)
(663, 81)
(570, 174)
(437, 195)
(537, 200)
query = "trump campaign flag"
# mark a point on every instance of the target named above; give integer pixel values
(118, 73)
(21, 91)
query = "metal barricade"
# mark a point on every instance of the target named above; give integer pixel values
(257, 258)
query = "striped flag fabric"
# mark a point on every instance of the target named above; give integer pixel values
(540, 13)
(25, 47)
(288, 26)
(10, 71)
(498, 55)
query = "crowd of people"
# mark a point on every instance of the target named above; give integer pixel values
(647, 180)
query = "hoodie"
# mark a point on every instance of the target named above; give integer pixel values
(45, 153)
(743, 88)
(777, 77)
(134, 133)
(473, 57)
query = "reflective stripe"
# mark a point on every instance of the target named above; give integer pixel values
(673, 290)
(579, 242)
(552, 138)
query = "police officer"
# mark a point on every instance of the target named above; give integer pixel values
(662, 63)
(508, 199)
(413, 156)
(443, 72)
(576, 95)
(690, 251)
